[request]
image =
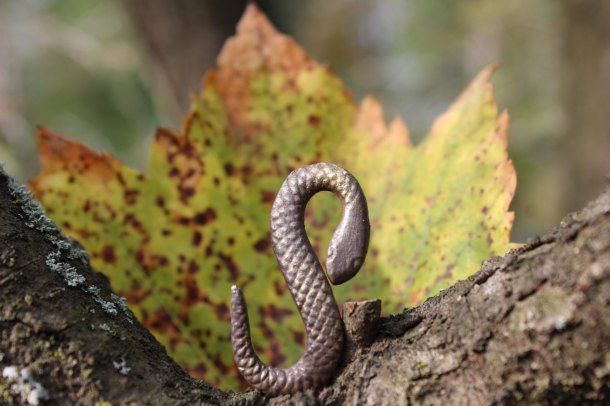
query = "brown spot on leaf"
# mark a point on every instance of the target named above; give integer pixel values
(224, 369)
(272, 352)
(191, 120)
(280, 287)
(277, 357)
(147, 260)
(198, 334)
(108, 254)
(167, 138)
(199, 370)
(449, 271)
(222, 311)
(136, 293)
(121, 179)
(262, 245)
(484, 210)
(84, 234)
(299, 337)
(130, 196)
(131, 220)
(267, 197)
(247, 171)
(174, 172)
(205, 217)
(186, 193)
(196, 238)
(161, 321)
(276, 314)
(192, 296)
(267, 333)
(438, 279)
(229, 169)
(230, 265)
(193, 267)
(314, 121)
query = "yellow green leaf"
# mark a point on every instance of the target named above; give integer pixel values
(172, 240)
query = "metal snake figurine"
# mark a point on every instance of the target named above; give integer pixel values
(306, 280)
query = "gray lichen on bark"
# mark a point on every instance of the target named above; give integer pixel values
(61, 324)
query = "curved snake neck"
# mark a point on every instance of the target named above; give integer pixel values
(306, 280)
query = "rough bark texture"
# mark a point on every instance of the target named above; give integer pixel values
(531, 327)
(72, 344)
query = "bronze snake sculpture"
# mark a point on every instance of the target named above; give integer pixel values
(306, 280)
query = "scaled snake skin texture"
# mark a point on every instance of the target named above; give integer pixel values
(306, 280)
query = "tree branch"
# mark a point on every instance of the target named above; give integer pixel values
(530, 327)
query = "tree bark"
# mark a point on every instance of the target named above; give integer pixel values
(65, 338)
(530, 327)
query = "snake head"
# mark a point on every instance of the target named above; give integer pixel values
(348, 248)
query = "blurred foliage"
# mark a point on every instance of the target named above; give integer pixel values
(71, 65)
(77, 67)
(414, 55)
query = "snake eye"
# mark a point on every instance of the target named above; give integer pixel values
(356, 263)
(331, 252)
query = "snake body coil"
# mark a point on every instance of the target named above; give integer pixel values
(306, 280)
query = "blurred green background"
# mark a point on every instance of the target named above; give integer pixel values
(107, 73)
